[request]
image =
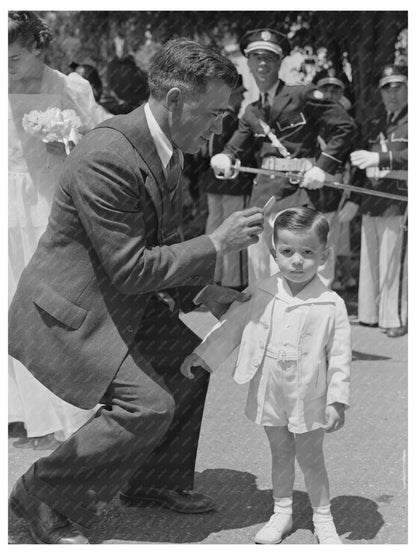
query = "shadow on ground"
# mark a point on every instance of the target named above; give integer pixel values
(357, 355)
(240, 505)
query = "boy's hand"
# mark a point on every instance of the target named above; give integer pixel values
(335, 417)
(192, 360)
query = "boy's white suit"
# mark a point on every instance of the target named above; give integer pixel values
(323, 346)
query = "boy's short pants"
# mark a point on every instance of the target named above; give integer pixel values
(273, 399)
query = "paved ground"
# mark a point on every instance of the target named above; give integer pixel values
(367, 464)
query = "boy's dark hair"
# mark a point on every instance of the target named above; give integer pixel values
(302, 219)
(189, 66)
(27, 29)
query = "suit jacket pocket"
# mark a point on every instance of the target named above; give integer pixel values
(291, 122)
(59, 307)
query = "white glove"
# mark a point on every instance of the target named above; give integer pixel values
(365, 159)
(190, 361)
(313, 178)
(221, 164)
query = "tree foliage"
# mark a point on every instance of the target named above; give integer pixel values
(368, 38)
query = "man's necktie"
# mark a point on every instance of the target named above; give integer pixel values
(174, 172)
(390, 119)
(265, 106)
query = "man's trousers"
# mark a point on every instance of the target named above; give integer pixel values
(145, 434)
(382, 292)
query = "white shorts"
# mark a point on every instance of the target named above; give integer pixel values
(273, 399)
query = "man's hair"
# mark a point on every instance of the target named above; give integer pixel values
(27, 28)
(302, 219)
(189, 66)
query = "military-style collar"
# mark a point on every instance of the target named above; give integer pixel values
(314, 292)
(397, 117)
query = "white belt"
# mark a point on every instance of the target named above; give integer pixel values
(281, 354)
(286, 164)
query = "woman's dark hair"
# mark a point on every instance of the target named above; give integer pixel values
(27, 29)
(189, 66)
(90, 73)
(302, 219)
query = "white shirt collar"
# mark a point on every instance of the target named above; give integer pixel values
(163, 145)
(271, 92)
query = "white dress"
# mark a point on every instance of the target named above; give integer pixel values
(32, 180)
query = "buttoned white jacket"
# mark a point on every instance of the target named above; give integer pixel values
(323, 346)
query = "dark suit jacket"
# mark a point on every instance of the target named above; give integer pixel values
(80, 300)
(298, 114)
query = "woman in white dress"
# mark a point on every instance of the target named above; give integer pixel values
(34, 167)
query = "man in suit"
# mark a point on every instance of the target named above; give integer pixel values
(95, 315)
(382, 291)
(296, 114)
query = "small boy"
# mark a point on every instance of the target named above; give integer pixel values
(293, 341)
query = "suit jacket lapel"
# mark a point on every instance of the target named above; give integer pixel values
(280, 101)
(140, 137)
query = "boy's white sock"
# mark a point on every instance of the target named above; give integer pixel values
(322, 514)
(283, 505)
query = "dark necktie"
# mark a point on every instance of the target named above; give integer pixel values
(265, 106)
(390, 119)
(174, 173)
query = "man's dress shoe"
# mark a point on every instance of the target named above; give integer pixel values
(46, 524)
(397, 332)
(180, 501)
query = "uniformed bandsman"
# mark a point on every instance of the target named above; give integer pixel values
(285, 123)
(382, 295)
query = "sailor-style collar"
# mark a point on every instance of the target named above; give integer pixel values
(314, 292)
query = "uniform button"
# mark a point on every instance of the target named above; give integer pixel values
(261, 345)
(265, 325)
(256, 364)
(130, 329)
(288, 326)
(285, 343)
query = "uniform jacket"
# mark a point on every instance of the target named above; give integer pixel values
(324, 344)
(110, 244)
(241, 185)
(298, 114)
(391, 141)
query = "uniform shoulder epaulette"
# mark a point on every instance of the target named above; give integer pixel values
(296, 84)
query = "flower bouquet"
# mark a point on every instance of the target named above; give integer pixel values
(53, 125)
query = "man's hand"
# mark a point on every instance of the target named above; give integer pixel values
(238, 231)
(335, 417)
(218, 298)
(221, 164)
(192, 361)
(313, 178)
(347, 212)
(365, 159)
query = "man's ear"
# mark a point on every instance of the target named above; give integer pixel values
(174, 100)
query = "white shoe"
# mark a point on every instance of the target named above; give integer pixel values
(275, 530)
(325, 532)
